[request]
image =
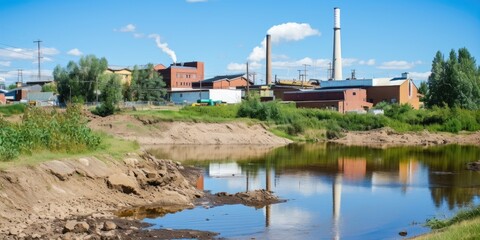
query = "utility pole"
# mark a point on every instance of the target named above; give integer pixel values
(299, 75)
(305, 73)
(353, 75)
(39, 57)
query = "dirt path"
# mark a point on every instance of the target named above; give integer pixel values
(386, 137)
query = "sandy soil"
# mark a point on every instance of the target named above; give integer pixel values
(82, 198)
(386, 137)
(151, 132)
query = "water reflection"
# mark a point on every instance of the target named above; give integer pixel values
(374, 193)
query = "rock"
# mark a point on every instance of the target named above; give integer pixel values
(473, 166)
(81, 227)
(123, 183)
(109, 226)
(94, 169)
(69, 226)
(59, 169)
(402, 233)
(150, 173)
(84, 161)
(131, 162)
(36, 236)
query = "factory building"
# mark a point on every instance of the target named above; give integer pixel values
(181, 75)
(399, 90)
(341, 100)
(223, 82)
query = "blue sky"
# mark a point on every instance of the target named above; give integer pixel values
(379, 38)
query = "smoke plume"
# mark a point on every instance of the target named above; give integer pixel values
(164, 47)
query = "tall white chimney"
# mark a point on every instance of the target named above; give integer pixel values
(337, 46)
(268, 74)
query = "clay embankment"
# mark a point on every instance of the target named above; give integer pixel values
(77, 199)
(386, 137)
(148, 131)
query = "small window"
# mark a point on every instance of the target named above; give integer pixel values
(354, 93)
(181, 94)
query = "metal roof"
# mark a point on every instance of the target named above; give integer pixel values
(222, 77)
(374, 82)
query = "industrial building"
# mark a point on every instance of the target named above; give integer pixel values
(125, 73)
(181, 75)
(341, 100)
(189, 96)
(399, 90)
(223, 82)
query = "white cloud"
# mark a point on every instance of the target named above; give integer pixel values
(285, 32)
(369, 62)
(237, 67)
(398, 65)
(5, 63)
(419, 75)
(28, 74)
(347, 62)
(75, 52)
(128, 28)
(138, 35)
(196, 1)
(27, 54)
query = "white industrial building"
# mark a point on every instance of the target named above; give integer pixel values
(190, 96)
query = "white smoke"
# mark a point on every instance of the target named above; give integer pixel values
(164, 47)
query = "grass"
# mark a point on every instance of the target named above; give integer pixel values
(464, 225)
(110, 146)
(13, 109)
(465, 230)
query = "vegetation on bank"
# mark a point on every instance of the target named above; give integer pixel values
(288, 121)
(51, 130)
(464, 225)
(9, 110)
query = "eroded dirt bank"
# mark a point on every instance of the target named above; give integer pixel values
(148, 131)
(78, 199)
(386, 137)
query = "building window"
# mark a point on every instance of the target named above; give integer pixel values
(181, 94)
(354, 93)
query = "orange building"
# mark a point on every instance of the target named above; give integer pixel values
(341, 100)
(399, 90)
(181, 75)
(223, 82)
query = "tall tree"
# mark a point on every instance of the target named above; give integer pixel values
(454, 82)
(79, 81)
(111, 94)
(147, 84)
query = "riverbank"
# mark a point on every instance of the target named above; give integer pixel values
(386, 137)
(80, 198)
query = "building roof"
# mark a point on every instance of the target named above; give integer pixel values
(222, 78)
(182, 67)
(40, 96)
(374, 82)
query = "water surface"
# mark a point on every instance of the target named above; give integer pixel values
(334, 191)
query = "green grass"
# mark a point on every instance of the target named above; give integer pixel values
(13, 109)
(464, 230)
(110, 146)
(464, 225)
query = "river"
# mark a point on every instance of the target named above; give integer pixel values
(333, 191)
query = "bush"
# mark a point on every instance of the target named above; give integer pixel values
(46, 130)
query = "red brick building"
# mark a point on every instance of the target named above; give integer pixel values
(181, 75)
(341, 100)
(223, 82)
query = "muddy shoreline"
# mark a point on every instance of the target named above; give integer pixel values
(89, 198)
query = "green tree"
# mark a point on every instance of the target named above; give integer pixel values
(12, 86)
(111, 94)
(79, 81)
(50, 87)
(423, 89)
(454, 82)
(147, 84)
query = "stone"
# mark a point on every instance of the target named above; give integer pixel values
(69, 226)
(123, 183)
(59, 169)
(131, 162)
(81, 227)
(109, 226)
(84, 161)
